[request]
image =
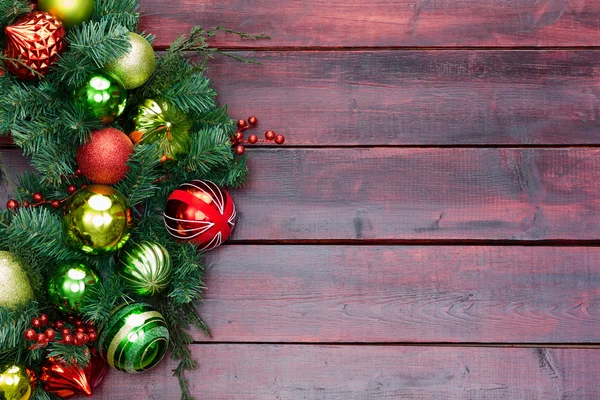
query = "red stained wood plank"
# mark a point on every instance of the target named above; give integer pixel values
(338, 23)
(447, 294)
(258, 372)
(416, 194)
(418, 97)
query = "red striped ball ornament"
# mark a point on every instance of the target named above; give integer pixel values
(200, 212)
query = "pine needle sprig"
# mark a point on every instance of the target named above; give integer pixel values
(123, 12)
(10, 10)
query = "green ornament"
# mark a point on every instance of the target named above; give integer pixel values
(135, 338)
(70, 12)
(137, 66)
(103, 95)
(97, 219)
(146, 268)
(68, 285)
(15, 288)
(158, 121)
(15, 383)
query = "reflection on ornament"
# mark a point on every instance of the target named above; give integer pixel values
(68, 285)
(97, 219)
(67, 381)
(157, 121)
(70, 12)
(145, 268)
(36, 40)
(16, 383)
(201, 212)
(15, 288)
(135, 338)
(103, 95)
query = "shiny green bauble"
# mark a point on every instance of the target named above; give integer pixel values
(103, 95)
(135, 338)
(15, 288)
(158, 121)
(70, 12)
(146, 268)
(137, 66)
(68, 285)
(15, 382)
(97, 219)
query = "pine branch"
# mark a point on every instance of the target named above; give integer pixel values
(10, 10)
(192, 95)
(210, 148)
(69, 354)
(122, 12)
(139, 183)
(13, 324)
(187, 282)
(101, 299)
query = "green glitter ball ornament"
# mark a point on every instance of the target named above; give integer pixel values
(15, 288)
(103, 95)
(135, 338)
(135, 67)
(146, 268)
(68, 285)
(158, 121)
(97, 219)
(70, 12)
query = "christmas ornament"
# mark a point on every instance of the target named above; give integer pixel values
(67, 381)
(146, 268)
(103, 95)
(36, 40)
(201, 212)
(68, 285)
(137, 66)
(15, 288)
(70, 12)
(97, 219)
(103, 159)
(135, 338)
(157, 120)
(16, 382)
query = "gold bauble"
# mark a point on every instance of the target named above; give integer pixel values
(15, 382)
(15, 288)
(135, 67)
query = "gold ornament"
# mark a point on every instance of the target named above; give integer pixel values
(15, 383)
(15, 288)
(70, 12)
(135, 67)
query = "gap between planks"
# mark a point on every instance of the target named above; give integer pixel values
(413, 344)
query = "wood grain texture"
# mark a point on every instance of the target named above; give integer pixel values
(415, 194)
(365, 23)
(450, 294)
(417, 97)
(261, 372)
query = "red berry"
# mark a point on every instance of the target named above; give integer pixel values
(252, 120)
(37, 197)
(55, 204)
(93, 336)
(239, 136)
(241, 124)
(50, 333)
(86, 338)
(71, 189)
(78, 322)
(79, 336)
(30, 334)
(269, 135)
(26, 203)
(279, 139)
(81, 329)
(40, 338)
(12, 204)
(67, 339)
(59, 324)
(252, 139)
(240, 150)
(44, 319)
(76, 342)
(66, 331)
(70, 318)
(36, 322)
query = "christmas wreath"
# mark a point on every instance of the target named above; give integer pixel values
(101, 248)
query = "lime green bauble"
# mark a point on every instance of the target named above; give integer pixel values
(70, 12)
(97, 219)
(146, 268)
(135, 338)
(158, 121)
(15, 288)
(103, 95)
(68, 285)
(15, 382)
(135, 67)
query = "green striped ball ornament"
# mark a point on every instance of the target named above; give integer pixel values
(146, 268)
(135, 338)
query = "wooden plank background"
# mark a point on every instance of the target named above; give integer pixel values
(430, 228)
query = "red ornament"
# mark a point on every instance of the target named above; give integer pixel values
(201, 212)
(239, 136)
(71, 189)
(279, 139)
(36, 40)
(40, 338)
(252, 139)
(44, 319)
(50, 333)
(240, 150)
(55, 204)
(30, 334)
(241, 124)
(67, 381)
(36, 322)
(252, 120)
(269, 135)
(12, 204)
(37, 197)
(67, 339)
(103, 159)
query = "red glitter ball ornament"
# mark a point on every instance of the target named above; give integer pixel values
(200, 212)
(36, 39)
(103, 159)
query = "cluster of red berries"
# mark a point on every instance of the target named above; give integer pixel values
(37, 199)
(78, 334)
(238, 139)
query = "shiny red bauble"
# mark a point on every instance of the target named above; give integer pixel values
(103, 159)
(200, 212)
